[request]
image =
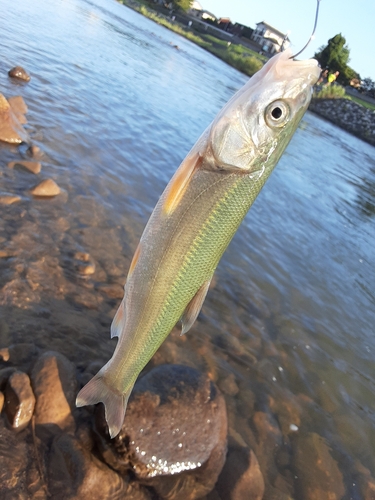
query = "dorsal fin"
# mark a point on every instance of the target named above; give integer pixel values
(193, 308)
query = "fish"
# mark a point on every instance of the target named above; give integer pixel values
(195, 219)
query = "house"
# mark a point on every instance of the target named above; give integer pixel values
(270, 39)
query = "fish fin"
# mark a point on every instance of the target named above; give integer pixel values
(180, 181)
(97, 391)
(193, 308)
(118, 323)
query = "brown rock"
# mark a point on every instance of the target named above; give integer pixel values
(8, 199)
(1, 401)
(86, 269)
(20, 400)
(174, 435)
(228, 385)
(19, 73)
(17, 104)
(46, 188)
(34, 151)
(318, 475)
(114, 291)
(11, 130)
(76, 474)
(241, 477)
(30, 166)
(365, 481)
(54, 384)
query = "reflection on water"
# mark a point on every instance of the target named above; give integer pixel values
(287, 329)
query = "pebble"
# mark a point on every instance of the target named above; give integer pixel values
(33, 151)
(20, 73)
(241, 477)
(9, 199)
(30, 166)
(86, 269)
(228, 385)
(46, 188)
(55, 387)
(19, 400)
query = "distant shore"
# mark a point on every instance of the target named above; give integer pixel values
(235, 54)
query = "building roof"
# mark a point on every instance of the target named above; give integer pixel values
(274, 30)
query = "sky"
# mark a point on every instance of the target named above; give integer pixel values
(355, 20)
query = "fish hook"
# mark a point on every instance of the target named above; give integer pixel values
(312, 34)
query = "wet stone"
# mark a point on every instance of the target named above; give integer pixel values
(11, 130)
(5, 374)
(30, 166)
(18, 354)
(9, 199)
(19, 400)
(1, 401)
(13, 464)
(34, 151)
(20, 73)
(175, 433)
(241, 477)
(86, 269)
(18, 104)
(46, 188)
(54, 384)
(318, 475)
(75, 473)
(228, 385)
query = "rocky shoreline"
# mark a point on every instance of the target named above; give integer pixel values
(348, 115)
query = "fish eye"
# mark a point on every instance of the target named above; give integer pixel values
(277, 114)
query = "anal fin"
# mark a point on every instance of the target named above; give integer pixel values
(193, 308)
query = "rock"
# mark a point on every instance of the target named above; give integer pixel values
(30, 166)
(9, 199)
(365, 480)
(46, 188)
(114, 291)
(11, 130)
(269, 442)
(175, 433)
(20, 400)
(17, 354)
(318, 475)
(34, 151)
(1, 401)
(5, 374)
(86, 269)
(19, 108)
(19, 73)
(54, 384)
(228, 385)
(241, 477)
(76, 474)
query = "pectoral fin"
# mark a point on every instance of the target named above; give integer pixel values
(195, 305)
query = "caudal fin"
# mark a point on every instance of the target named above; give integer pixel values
(97, 391)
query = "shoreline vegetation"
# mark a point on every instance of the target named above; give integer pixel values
(238, 56)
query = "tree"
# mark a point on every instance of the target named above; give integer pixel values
(368, 87)
(183, 4)
(335, 57)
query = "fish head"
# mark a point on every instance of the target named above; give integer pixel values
(253, 129)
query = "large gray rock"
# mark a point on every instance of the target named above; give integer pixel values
(174, 435)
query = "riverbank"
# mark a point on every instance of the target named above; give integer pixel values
(348, 115)
(236, 55)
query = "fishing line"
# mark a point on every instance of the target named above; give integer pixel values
(312, 34)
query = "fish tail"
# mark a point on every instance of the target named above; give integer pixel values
(115, 402)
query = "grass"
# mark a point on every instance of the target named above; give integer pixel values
(367, 105)
(243, 59)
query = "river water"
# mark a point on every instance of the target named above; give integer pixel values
(287, 328)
